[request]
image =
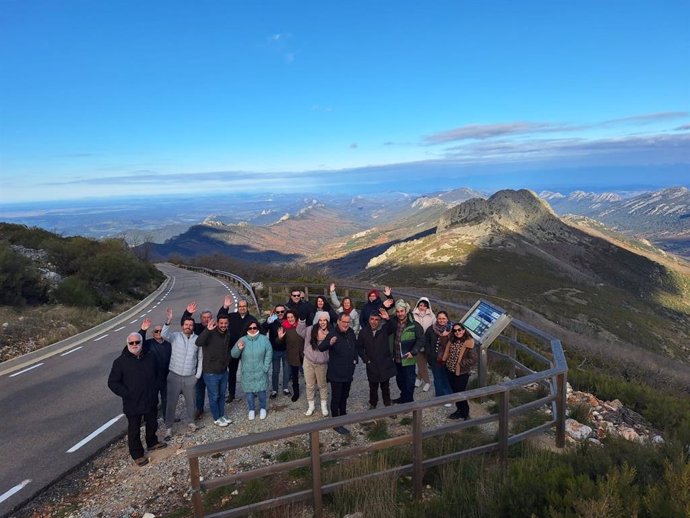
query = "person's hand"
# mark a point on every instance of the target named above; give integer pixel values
(281, 333)
(408, 356)
(146, 324)
(333, 340)
(387, 291)
(388, 303)
(168, 315)
(384, 314)
(240, 344)
(332, 286)
(227, 301)
(445, 332)
(212, 324)
(192, 307)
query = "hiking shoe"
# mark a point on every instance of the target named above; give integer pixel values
(455, 415)
(426, 387)
(141, 461)
(273, 394)
(220, 422)
(262, 413)
(251, 415)
(158, 446)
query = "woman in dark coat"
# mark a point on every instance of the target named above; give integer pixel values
(437, 336)
(460, 357)
(374, 349)
(287, 334)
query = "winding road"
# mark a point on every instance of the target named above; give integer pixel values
(57, 409)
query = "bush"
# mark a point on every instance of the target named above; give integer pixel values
(73, 291)
(20, 280)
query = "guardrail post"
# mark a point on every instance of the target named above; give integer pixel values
(503, 425)
(417, 453)
(560, 409)
(194, 474)
(316, 474)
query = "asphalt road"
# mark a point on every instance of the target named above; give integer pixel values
(58, 411)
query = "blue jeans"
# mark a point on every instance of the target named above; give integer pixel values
(405, 377)
(441, 381)
(216, 384)
(280, 357)
(200, 392)
(250, 399)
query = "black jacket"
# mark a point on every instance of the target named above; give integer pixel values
(342, 355)
(272, 331)
(136, 381)
(375, 352)
(216, 347)
(237, 326)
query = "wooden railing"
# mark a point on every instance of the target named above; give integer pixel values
(552, 377)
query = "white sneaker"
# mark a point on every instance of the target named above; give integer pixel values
(310, 409)
(262, 413)
(220, 422)
(448, 405)
(227, 421)
(426, 387)
(252, 414)
(417, 382)
(324, 408)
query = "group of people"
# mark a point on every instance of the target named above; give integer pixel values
(323, 339)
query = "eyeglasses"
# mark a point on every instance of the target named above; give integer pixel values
(157, 330)
(134, 343)
(252, 328)
(240, 307)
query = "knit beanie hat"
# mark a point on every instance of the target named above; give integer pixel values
(401, 304)
(322, 314)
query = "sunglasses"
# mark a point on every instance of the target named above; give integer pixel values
(134, 343)
(157, 330)
(456, 329)
(295, 296)
(252, 328)
(280, 312)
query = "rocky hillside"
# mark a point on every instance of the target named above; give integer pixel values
(514, 246)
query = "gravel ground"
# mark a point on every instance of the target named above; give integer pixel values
(110, 485)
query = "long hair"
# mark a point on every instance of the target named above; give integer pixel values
(466, 336)
(313, 340)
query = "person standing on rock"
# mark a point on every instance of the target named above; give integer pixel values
(256, 354)
(134, 377)
(215, 344)
(185, 370)
(374, 350)
(342, 358)
(460, 357)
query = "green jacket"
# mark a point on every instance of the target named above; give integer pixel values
(411, 339)
(257, 357)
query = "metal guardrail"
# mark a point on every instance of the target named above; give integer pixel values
(231, 277)
(553, 377)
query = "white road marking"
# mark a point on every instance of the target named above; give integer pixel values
(94, 434)
(25, 370)
(14, 490)
(134, 321)
(100, 337)
(118, 329)
(72, 350)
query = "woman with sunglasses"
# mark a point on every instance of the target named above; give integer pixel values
(256, 354)
(460, 356)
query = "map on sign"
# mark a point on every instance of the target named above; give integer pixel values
(484, 320)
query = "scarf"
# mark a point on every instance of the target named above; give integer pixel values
(438, 328)
(286, 325)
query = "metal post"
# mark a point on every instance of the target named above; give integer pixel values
(503, 425)
(197, 503)
(482, 366)
(417, 453)
(316, 474)
(560, 409)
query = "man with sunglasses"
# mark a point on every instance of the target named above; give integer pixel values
(161, 350)
(134, 377)
(238, 322)
(270, 327)
(300, 305)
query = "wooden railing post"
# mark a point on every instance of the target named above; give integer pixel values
(503, 425)
(316, 474)
(417, 453)
(560, 409)
(512, 352)
(194, 474)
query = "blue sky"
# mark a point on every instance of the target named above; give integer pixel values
(149, 98)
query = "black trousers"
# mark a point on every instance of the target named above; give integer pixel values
(385, 392)
(459, 384)
(232, 376)
(340, 391)
(294, 376)
(150, 419)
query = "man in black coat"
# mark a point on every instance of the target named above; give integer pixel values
(342, 358)
(238, 322)
(374, 349)
(161, 350)
(134, 377)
